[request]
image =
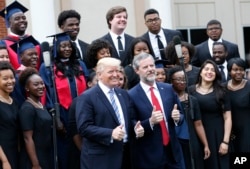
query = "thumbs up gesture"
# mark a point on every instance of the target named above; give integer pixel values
(139, 130)
(175, 114)
(156, 116)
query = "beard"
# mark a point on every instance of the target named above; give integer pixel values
(219, 61)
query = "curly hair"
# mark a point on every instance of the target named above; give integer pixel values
(94, 48)
(171, 53)
(64, 15)
(26, 74)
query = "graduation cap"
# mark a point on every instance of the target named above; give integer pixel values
(58, 38)
(11, 9)
(161, 63)
(24, 44)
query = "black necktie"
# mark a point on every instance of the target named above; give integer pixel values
(223, 76)
(120, 47)
(161, 47)
(78, 54)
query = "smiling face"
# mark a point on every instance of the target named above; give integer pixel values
(29, 57)
(18, 23)
(146, 70)
(237, 73)
(208, 73)
(4, 56)
(72, 25)
(219, 54)
(109, 76)
(119, 22)
(35, 86)
(7, 81)
(65, 49)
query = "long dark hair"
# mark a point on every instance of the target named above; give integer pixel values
(217, 86)
(73, 64)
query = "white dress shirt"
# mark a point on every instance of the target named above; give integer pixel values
(115, 40)
(154, 42)
(146, 89)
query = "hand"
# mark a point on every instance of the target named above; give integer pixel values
(223, 149)
(6, 165)
(156, 116)
(139, 130)
(207, 152)
(36, 167)
(176, 114)
(118, 133)
(61, 130)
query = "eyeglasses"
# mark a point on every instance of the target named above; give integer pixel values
(180, 80)
(153, 20)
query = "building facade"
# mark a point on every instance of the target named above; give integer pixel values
(189, 16)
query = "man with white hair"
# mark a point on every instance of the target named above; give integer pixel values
(102, 115)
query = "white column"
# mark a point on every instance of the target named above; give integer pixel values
(43, 21)
(164, 9)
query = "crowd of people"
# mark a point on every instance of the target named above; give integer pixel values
(120, 102)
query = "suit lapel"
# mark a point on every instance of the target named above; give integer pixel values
(149, 42)
(163, 98)
(206, 48)
(107, 104)
(115, 53)
(143, 97)
(167, 36)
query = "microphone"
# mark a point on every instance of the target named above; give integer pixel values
(46, 53)
(177, 43)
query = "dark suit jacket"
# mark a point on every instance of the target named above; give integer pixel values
(96, 120)
(148, 150)
(84, 46)
(169, 34)
(124, 57)
(202, 52)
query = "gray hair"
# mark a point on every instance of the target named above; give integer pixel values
(107, 61)
(138, 58)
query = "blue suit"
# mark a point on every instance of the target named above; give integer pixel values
(149, 152)
(96, 120)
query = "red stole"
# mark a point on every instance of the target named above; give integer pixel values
(9, 40)
(63, 88)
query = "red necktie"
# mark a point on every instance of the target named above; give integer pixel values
(164, 131)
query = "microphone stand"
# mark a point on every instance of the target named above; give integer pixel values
(55, 115)
(188, 112)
